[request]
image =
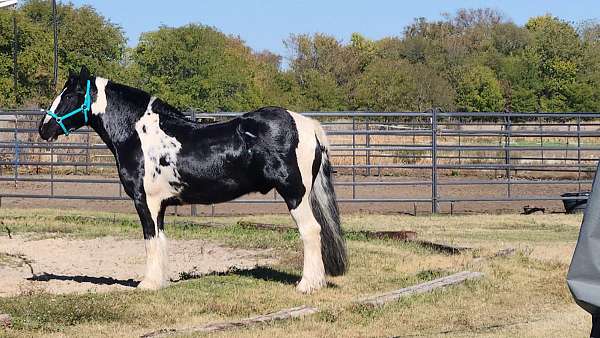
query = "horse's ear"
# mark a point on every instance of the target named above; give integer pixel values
(84, 74)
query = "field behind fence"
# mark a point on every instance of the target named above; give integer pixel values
(410, 162)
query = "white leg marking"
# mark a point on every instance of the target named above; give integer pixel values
(156, 263)
(99, 106)
(156, 252)
(313, 273)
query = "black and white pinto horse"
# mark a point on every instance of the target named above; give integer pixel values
(165, 159)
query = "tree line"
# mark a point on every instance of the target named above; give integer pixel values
(471, 60)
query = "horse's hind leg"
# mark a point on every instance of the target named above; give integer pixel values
(296, 192)
(313, 273)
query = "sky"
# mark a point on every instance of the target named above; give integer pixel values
(265, 24)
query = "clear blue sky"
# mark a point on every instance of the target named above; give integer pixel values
(264, 24)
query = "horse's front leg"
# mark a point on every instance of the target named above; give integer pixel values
(151, 214)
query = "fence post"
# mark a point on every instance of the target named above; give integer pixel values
(16, 147)
(507, 159)
(578, 153)
(353, 157)
(541, 139)
(434, 169)
(368, 144)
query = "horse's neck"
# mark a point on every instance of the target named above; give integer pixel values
(111, 133)
(114, 120)
(124, 106)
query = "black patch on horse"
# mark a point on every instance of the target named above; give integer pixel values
(163, 161)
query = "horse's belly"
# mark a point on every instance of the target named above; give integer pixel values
(210, 190)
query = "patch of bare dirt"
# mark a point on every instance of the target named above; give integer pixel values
(61, 265)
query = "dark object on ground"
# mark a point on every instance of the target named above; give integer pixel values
(577, 204)
(505, 252)
(402, 235)
(528, 210)
(264, 226)
(444, 248)
(595, 327)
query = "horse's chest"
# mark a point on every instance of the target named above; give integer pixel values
(161, 178)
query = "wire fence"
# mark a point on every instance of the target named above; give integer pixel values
(432, 160)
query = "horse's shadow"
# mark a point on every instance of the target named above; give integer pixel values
(46, 277)
(258, 272)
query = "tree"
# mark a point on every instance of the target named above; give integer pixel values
(479, 90)
(557, 48)
(324, 67)
(473, 60)
(85, 37)
(197, 67)
(398, 85)
(276, 87)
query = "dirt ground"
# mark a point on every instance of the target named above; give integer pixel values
(523, 294)
(382, 190)
(63, 265)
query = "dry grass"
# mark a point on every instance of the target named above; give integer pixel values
(521, 296)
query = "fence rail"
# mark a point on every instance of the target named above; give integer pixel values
(438, 159)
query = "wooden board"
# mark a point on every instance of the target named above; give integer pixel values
(285, 314)
(435, 284)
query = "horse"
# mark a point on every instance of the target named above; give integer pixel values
(163, 158)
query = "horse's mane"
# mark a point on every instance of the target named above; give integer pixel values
(140, 97)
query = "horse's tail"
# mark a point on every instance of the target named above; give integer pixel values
(325, 211)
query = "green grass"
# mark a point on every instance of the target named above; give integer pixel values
(522, 295)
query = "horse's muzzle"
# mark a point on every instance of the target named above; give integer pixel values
(48, 129)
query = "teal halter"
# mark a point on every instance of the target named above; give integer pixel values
(85, 108)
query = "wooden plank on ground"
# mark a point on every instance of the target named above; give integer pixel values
(296, 312)
(443, 282)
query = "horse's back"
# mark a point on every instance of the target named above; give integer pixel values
(223, 161)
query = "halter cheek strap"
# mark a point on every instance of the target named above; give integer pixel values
(85, 108)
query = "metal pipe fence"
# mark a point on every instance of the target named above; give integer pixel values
(434, 159)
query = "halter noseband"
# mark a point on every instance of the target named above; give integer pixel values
(85, 108)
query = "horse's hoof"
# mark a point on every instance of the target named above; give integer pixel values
(305, 286)
(151, 285)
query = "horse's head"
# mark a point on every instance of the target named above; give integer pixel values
(70, 109)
